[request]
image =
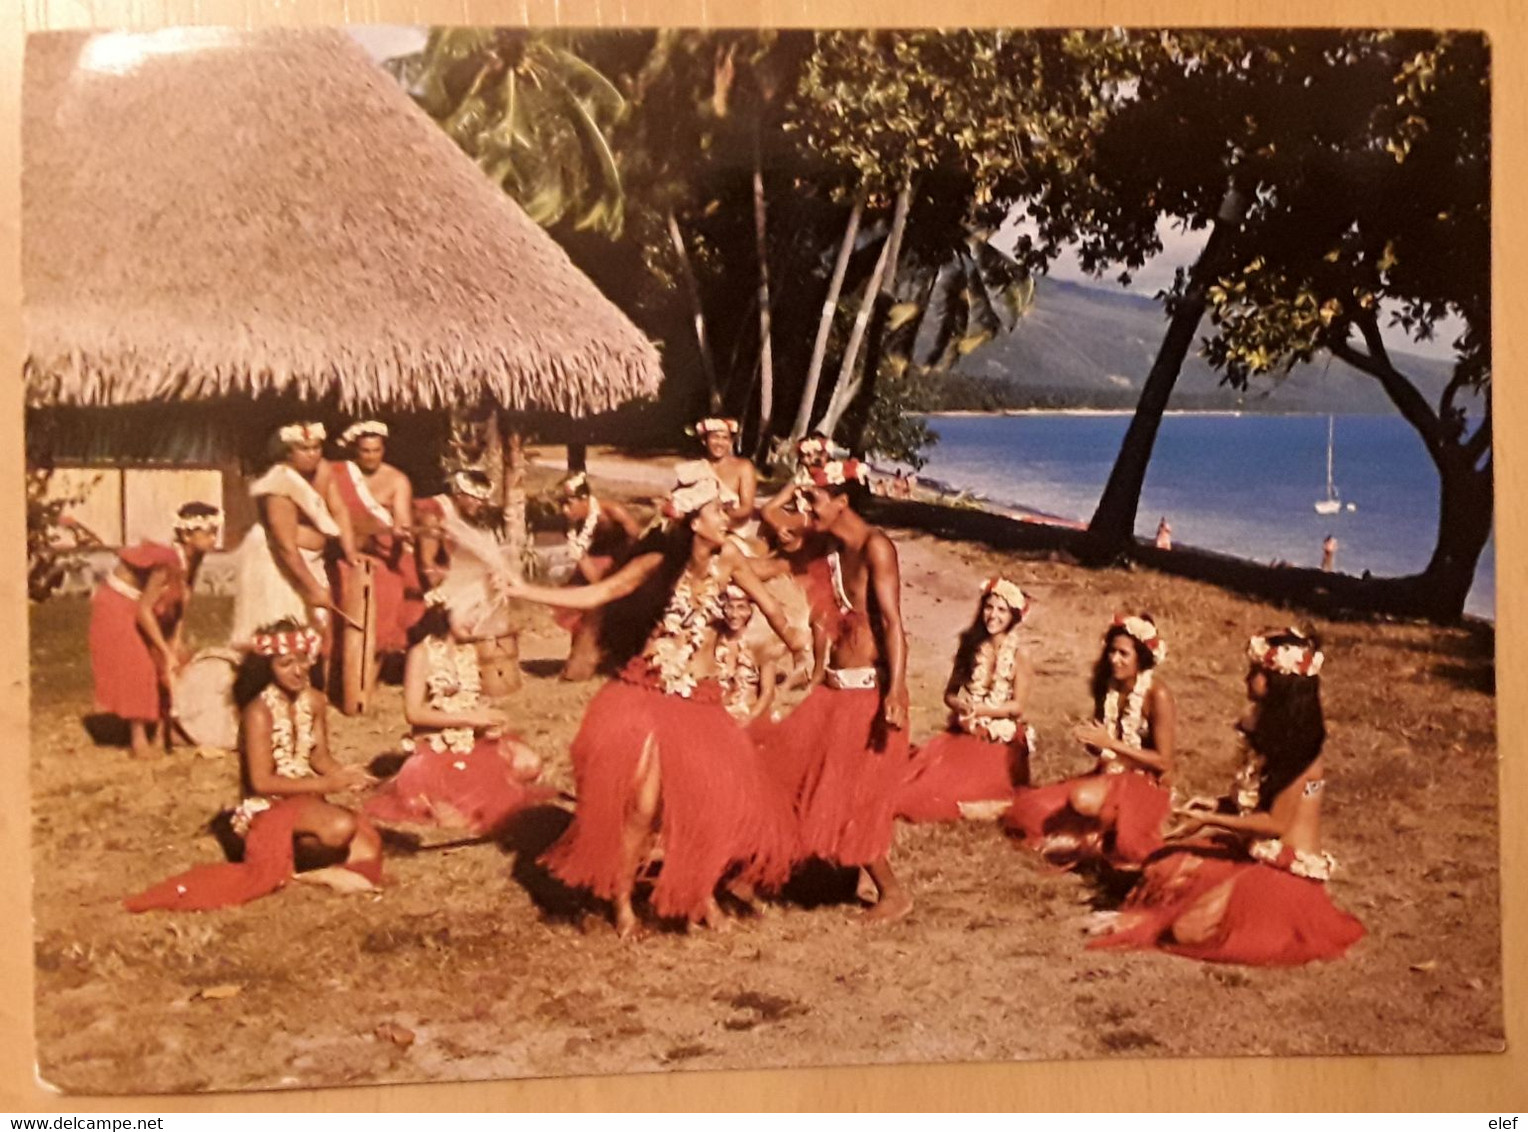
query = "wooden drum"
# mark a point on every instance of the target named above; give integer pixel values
(201, 702)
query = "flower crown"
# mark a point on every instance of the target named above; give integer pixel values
(817, 446)
(1017, 599)
(305, 432)
(363, 428)
(463, 483)
(293, 642)
(1145, 632)
(696, 486)
(1299, 657)
(189, 524)
(714, 424)
(574, 483)
(436, 599)
(735, 592)
(836, 473)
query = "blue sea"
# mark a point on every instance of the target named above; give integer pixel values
(1242, 484)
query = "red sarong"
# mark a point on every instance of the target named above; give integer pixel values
(1135, 807)
(956, 767)
(123, 665)
(850, 768)
(1272, 918)
(718, 809)
(478, 791)
(268, 864)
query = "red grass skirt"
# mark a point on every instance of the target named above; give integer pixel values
(718, 806)
(850, 769)
(1136, 806)
(122, 663)
(1272, 917)
(268, 864)
(478, 791)
(956, 767)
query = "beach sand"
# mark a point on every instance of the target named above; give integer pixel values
(498, 972)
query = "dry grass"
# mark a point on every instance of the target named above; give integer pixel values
(498, 972)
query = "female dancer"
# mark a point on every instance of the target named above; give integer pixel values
(136, 621)
(984, 755)
(1252, 891)
(1115, 812)
(284, 745)
(657, 751)
(464, 770)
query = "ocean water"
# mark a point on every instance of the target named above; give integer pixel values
(1242, 484)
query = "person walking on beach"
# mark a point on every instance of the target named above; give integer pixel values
(1329, 554)
(1164, 534)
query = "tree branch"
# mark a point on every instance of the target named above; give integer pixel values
(1477, 444)
(1402, 393)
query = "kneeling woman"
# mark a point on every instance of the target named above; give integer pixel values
(284, 746)
(1116, 812)
(657, 752)
(985, 753)
(1252, 891)
(465, 771)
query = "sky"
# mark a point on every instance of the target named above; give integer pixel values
(1178, 248)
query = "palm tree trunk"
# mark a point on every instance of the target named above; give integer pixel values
(697, 312)
(857, 411)
(513, 476)
(766, 348)
(1112, 529)
(825, 323)
(847, 385)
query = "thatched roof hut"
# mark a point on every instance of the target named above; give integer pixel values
(222, 214)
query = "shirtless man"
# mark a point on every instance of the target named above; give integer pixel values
(280, 565)
(380, 501)
(849, 736)
(812, 451)
(739, 480)
(467, 502)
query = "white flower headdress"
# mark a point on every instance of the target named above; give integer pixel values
(304, 432)
(1017, 599)
(1298, 657)
(714, 424)
(818, 446)
(293, 642)
(363, 428)
(1143, 631)
(463, 483)
(189, 524)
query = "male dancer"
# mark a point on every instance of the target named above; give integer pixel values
(380, 500)
(849, 736)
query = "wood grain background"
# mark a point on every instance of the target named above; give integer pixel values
(1475, 1083)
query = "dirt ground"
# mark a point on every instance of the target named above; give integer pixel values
(499, 972)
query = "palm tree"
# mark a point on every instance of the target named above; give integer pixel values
(534, 115)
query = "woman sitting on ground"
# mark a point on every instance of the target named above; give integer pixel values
(1116, 812)
(1250, 890)
(288, 770)
(984, 755)
(465, 771)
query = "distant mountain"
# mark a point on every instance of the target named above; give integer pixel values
(1086, 347)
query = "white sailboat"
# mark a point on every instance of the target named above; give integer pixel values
(1331, 505)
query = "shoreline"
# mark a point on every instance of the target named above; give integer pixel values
(1131, 412)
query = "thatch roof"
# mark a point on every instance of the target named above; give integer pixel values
(211, 214)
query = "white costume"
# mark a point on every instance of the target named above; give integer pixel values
(263, 593)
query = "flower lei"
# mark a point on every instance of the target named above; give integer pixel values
(991, 683)
(453, 686)
(738, 673)
(581, 540)
(292, 734)
(681, 632)
(1128, 725)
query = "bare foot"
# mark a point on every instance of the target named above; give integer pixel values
(147, 752)
(337, 879)
(627, 926)
(713, 918)
(865, 888)
(890, 907)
